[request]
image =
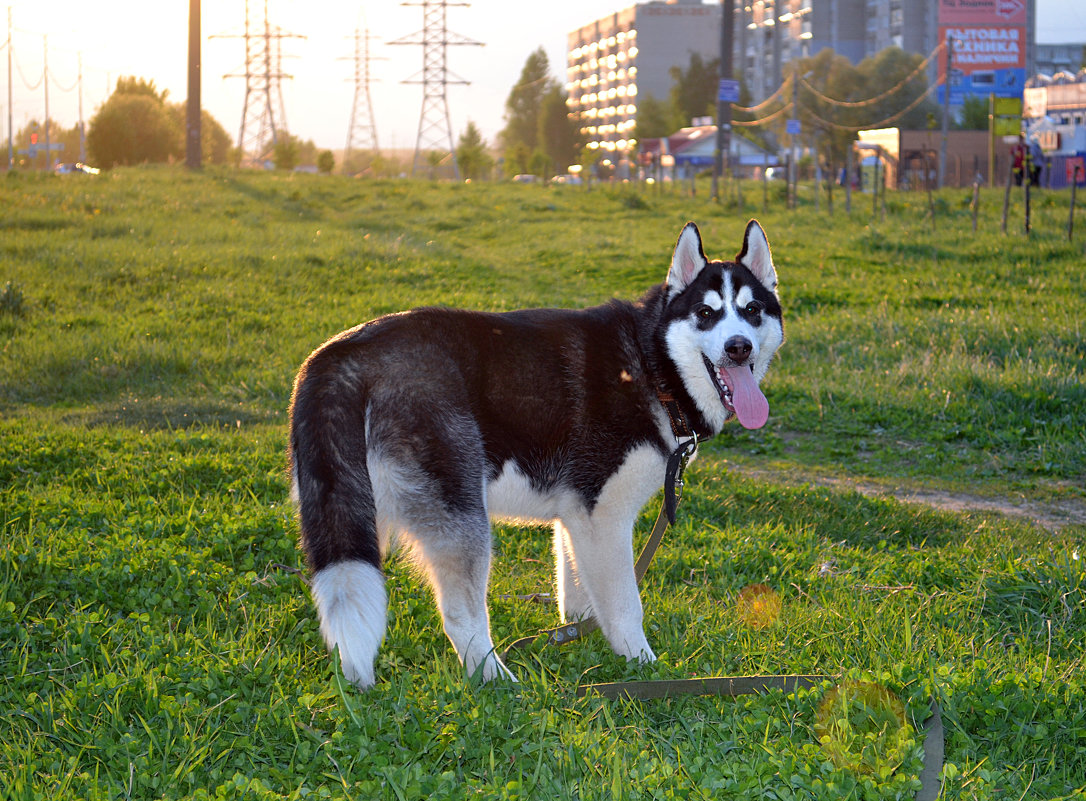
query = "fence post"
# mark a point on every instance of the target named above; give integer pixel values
(931, 196)
(1007, 196)
(765, 181)
(848, 181)
(976, 200)
(875, 189)
(1027, 182)
(1071, 217)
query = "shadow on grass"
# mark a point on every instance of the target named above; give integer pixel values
(167, 415)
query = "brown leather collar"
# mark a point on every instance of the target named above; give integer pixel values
(679, 427)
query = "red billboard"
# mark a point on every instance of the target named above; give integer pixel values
(982, 12)
(989, 56)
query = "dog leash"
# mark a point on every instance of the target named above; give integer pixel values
(732, 686)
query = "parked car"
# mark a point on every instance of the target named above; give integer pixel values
(526, 179)
(75, 168)
(575, 180)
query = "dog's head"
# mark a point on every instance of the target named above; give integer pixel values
(723, 325)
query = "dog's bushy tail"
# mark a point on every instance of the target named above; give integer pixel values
(332, 489)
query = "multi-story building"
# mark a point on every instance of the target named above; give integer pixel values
(1052, 58)
(625, 56)
(628, 55)
(770, 33)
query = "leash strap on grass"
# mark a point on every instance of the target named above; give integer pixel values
(731, 686)
(719, 685)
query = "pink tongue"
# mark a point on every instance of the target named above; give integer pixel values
(751, 407)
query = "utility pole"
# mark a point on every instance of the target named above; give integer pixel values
(82, 125)
(362, 129)
(946, 110)
(259, 130)
(435, 129)
(45, 81)
(11, 133)
(723, 98)
(193, 155)
(793, 172)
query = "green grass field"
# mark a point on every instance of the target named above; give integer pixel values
(156, 634)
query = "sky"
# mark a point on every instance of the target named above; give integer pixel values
(148, 40)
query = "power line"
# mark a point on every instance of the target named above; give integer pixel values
(923, 65)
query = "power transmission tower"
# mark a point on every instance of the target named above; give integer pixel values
(260, 126)
(362, 130)
(435, 130)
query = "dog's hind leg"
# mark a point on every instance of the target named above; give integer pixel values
(457, 564)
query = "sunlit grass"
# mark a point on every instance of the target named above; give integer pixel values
(157, 636)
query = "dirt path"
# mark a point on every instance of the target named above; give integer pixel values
(1053, 515)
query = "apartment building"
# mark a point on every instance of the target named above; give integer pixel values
(615, 60)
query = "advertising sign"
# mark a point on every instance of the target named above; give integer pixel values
(989, 48)
(982, 12)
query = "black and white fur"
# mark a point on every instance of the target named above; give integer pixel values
(419, 428)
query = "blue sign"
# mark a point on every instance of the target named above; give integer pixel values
(728, 91)
(1008, 82)
(792, 127)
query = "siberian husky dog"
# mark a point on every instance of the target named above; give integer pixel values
(419, 428)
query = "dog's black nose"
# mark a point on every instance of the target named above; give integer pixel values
(738, 349)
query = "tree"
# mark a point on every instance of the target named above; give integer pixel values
(326, 162)
(825, 123)
(215, 142)
(471, 154)
(974, 115)
(880, 86)
(286, 151)
(887, 69)
(134, 126)
(131, 85)
(517, 159)
(524, 104)
(559, 135)
(693, 93)
(654, 119)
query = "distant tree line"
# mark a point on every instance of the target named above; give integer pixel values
(138, 125)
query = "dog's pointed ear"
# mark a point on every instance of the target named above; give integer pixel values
(688, 261)
(755, 255)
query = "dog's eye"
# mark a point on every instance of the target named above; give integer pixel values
(753, 308)
(704, 312)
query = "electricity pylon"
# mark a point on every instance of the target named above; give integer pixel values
(435, 130)
(263, 117)
(362, 129)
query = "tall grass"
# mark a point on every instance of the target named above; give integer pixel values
(156, 634)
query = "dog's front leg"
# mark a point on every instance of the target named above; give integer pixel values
(602, 561)
(573, 602)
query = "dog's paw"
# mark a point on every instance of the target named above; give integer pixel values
(491, 669)
(635, 651)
